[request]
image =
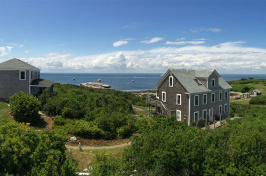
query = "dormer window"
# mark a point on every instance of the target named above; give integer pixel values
(213, 82)
(22, 75)
(171, 81)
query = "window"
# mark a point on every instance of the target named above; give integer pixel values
(196, 116)
(213, 97)
(213, 82)
(225, 95)
(220, 96)
(178, 115)
(204, 98)
(204, 114)
(225, 108)
(22, 75)
(171, 81)
(178, 99)
(196, 100)
(164, 96)
(220, 109)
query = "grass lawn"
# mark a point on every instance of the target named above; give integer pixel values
(141, 110)
(84, 159)
(241, 101)
(5, 110)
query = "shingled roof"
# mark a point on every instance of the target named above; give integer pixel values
(41, 83)
(189, 79)
(16, 64)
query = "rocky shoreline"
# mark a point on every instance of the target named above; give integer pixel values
(95, 85)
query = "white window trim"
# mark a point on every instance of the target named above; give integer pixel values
(220, 96)
(164, 96)
(214, 82)
(20, 74)
(171, 77)
(214, 97)
(225, 107)
(203, 114)
(177, 99)
(194, 115)
(180, 115)
(206, 99)
(220, 110)
(195, 100)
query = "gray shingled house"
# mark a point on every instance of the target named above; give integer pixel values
(16, 75)
(191, 94)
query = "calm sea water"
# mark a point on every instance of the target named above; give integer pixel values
(124, 81)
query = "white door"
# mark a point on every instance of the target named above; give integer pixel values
(178, 115)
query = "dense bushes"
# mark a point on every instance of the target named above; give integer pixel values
(90, 113)
(105, 127)
(258, 100)
(24, 107)
(242, 88)
(27, 152)
(168, 147)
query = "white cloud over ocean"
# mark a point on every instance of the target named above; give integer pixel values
(228, 57)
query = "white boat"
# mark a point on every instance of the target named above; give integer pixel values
(99, 80)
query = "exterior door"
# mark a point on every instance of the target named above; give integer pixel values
(178, 115)
(211, 114)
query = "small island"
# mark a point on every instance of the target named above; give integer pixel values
(95, 85)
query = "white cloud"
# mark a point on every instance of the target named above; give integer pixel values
(120, 43)
(182, 38)
(228, 57)
(195, 30)
(5, 50)
(213, 29)
(185, 42)
(26, 51)
(153, 40)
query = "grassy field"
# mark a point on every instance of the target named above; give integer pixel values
(259, 86)
(5, 110)
(84, 159)
(142, 110)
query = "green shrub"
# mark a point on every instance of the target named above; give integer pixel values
(258, 100)
(24, 107)
(201, 122)
(91, 113)
(27, 152)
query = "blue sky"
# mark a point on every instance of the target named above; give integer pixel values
(135, 35)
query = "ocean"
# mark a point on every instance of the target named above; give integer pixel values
(126, 81)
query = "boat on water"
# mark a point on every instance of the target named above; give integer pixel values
(74, 79)
(99, 80)
(133, 80)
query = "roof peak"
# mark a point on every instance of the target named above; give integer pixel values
(16, 64)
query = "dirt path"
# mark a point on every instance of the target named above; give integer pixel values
(102, 147)
(138, 109)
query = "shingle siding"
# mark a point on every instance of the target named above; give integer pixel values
(209, 105)
(171, 97)
(190, 83)
(10, 83)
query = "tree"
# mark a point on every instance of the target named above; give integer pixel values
(24, 107)
(27, 152)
